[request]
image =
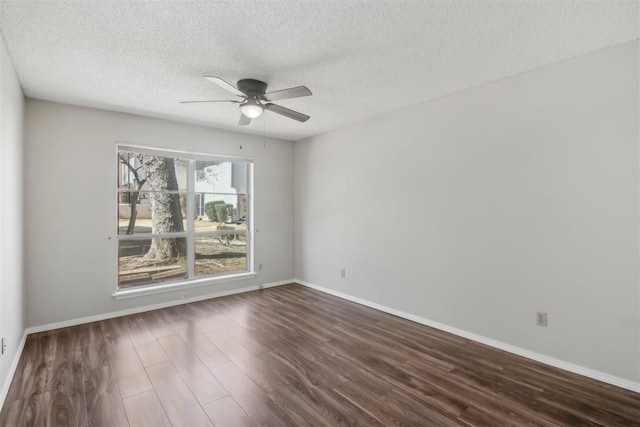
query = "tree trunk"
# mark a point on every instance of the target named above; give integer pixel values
(133, 204)
(166, 213)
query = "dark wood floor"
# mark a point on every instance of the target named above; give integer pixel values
(291, 356)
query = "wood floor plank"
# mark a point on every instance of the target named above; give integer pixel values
(131, 375)
(31, 410)
(425, 379)
(311, 365)
(144, 341)
(371, 404)
(331, 408)
(281, 394)
(208, 353)
(592, 406)
(418, 331)
(181, 407)
(144, 410)
(30, 387)
(292, 356)
(225, 412)
(10, 411)
(102, 396)
(231, 348)
(473, 416)
(254, 345)
(241, 313)
(95, 354)
(115, 334)
(150, 353)
(68, 405)
(253, 399)
(36, 361)
(365, 356)
(219, 321)
(418, 411)
(215, 320)
(157, 324)
(553, 380)
(200, 381)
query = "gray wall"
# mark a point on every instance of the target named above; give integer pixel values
(481, 208)
(11, 197)
(72, 206)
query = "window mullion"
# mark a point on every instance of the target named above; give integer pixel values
(191, 256)
(147, 236)
(249, 220)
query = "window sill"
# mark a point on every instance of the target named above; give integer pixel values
(169, 287)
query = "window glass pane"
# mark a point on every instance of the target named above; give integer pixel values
(154, 173)
(221, 177)
(169, 210)
(146, 261)
(221, 208)
(220, 254)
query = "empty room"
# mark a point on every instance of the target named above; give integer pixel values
(319, 213)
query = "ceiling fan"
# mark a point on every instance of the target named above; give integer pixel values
(256, 100)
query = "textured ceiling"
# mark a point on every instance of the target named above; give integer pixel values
(360, 59)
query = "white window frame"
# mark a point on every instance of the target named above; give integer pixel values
(189, 234)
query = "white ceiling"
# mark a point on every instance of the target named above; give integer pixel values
(360, 59)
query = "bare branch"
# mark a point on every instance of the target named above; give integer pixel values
(133, 170)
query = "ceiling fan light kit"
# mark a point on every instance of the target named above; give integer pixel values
(251, 108)
(256, 99)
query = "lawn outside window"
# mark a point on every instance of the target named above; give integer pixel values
(184, 219)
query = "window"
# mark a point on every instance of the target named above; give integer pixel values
(183, 218)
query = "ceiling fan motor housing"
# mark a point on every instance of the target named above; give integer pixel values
(252, 87)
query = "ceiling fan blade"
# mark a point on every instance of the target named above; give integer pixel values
(224, 100)
(287, 112)
(244, 120)
(292, 92)
(224, 85)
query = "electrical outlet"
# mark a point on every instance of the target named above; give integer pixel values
(260, 267)
(541, 318)
(343, 273)
(185, 295)
(4, 345)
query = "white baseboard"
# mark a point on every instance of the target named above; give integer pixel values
(12, 370)
(104, 316)
(567, 366)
